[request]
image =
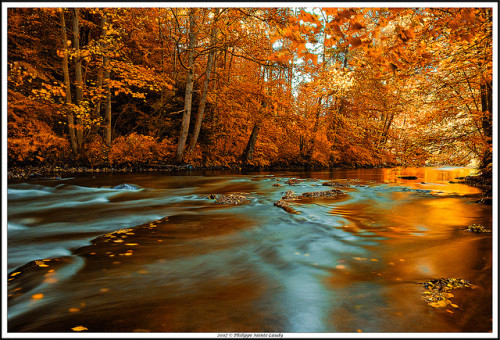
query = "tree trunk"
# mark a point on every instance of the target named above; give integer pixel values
(78, 78)
(107, 78)
(312, 140)
(100, 72)
(385, 129)
(311, 144)
(67, 84)
(486, 124)
(248, 153)
(201, 108)
(179, 155)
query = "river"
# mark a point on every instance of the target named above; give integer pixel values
(181, 263)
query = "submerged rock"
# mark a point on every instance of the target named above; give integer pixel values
(408, 177)
(126, 186)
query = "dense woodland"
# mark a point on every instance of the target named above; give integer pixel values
(255, 87)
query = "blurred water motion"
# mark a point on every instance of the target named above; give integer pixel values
(180, 263)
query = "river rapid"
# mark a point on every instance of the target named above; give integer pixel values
(166, 258)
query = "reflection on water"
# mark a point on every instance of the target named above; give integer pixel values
(181, 263)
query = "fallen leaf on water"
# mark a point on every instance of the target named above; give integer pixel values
(79, 328)
(454, 305)
(74, 310)
(14, 274)
(374, 260)
(50, 280)
(131, 244)
(449, 311)
(340, 266)
(359, 331)
(37, 296)
(442, 303)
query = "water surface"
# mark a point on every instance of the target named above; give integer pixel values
(350, 264)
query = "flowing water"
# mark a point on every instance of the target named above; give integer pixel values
(181, 263)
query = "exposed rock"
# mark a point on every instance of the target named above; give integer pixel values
(277, 185)
(477, 228)
(126, 186)
(437, 292)
(336, 184)
(322, 194)
(285, 206)
(292, 181)
(231, 199)
(289, 195)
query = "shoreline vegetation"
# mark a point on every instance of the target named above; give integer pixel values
(253, 88)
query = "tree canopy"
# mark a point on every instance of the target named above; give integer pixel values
(263, 87)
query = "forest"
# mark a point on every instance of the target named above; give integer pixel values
(250, 87)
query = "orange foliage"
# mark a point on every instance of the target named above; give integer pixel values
(317, 87)
(139, 149)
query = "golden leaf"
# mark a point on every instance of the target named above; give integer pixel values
(79, 328)
(37, 296)
(443, 303)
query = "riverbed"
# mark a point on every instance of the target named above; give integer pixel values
(93, 257)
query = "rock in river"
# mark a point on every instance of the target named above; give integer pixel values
(126, 186)
(229, 199)
(322, 194)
